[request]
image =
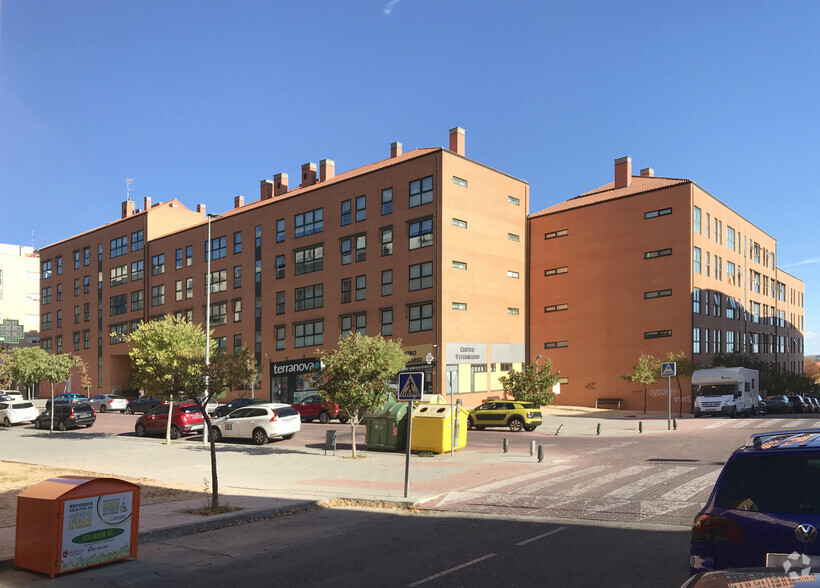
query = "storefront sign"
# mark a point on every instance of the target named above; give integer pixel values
(416, 354)
(467, 353)
(96, 530)
(297, 366)
(507, 352)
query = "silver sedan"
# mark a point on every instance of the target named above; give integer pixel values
(108, 402)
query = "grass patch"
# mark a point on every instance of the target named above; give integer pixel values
(209, 510)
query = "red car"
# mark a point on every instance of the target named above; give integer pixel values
(186, 419)
(315, 407)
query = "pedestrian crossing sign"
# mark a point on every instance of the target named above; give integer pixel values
(411, 385)
(668, 369)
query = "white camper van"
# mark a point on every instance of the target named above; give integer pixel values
(726, 391)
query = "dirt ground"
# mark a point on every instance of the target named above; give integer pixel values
(16, 477)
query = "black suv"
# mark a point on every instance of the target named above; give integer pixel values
(226, 409)
(67, 416)
(142, 404)
(799, 404)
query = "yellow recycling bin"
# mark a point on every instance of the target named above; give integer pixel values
(432, 428)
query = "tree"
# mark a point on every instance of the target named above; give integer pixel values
(532, 384)
(238, 369)
(644, 372)
(85, 377)
(812, 369)
(28, 365)
(355, 374)
(56, 369)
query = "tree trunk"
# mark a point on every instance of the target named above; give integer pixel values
(680, 397)
(644, 398)
(214, 477)
(168, 424)
(353, 423)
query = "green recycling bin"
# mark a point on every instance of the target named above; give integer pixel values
(387, 427)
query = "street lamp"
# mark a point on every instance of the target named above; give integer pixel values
(205, 432)
(537, 357)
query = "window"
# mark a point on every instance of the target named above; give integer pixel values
(86, 284)
(59, 341)
(59, 265)
(46, 343)
(237, 344)
(421, 233)
(708, 264)
(556, 307)
(459, 223)
(189, 255)
(258, 236)
(513, 200)
(119, 246)
(46, 273)
(219, 313)
(657, 334)
(459, 306)
(308, 223)
(137, 241)
(421, 276)
(555, 271)
(459, 182)
(657, 213)
(755, 312)
(76, 338)
(309, 334)
(696, 301)
(237, 276)
(59, 288)
(46, 296)
(346, 212)
(387, 201)
(730, 342)
(86, 256)
(386, 321)
(237, 310)
(46, 321)
(556, 344)
(696, 340)
(308, 260)
(237, 242)
(158, 264)
(657, 253)
(730, 272)
(361, 209)
(86, 312)
(279, 266)
(346, 285)
(512, 274)
(178, 290)
(696, 220)
(387, 282)
(59, 319)
(421, 317)
(696, 260)
(158, 295)
(708, 236)
(77, 315)
(555, 234)
(219, 248)
(279, 333)
(136, 300)
(137, 270)
(77, 259)
(119, 304)
(361, 287)
(387, 241)
(280, 302)
(755, 253)
(178, 259)
(512, 310)
(99, 252)
(309, 297)
(731, 308)
(219, 281)
(119, 275)
(345, 247)
(512, 237)
(717, 305)
(361, 248)
(86, 339)
(657, 294)
(117, 333)
(421, 191)
(356, 323)
(459, 265)
(189, 287)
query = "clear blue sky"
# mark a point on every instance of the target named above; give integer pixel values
(200, 100)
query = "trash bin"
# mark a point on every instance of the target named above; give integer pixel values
(74, 522)
(432, 428)
(387, 427)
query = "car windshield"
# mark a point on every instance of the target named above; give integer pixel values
(772, 483)
(716, 390)
(189, 408)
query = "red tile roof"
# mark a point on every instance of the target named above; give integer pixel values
(608, 192)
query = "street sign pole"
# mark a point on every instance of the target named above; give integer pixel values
(410, 386)
(668, 370)
(409, 441)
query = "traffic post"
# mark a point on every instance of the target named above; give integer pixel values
(668, 370)
(410, 386)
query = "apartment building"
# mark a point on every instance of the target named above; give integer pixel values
(19, 295)
(649, 264)
(426, 246)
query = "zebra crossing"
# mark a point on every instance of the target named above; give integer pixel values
(772, 424)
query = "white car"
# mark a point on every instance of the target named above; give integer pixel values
(259, 422)
(13, 393)
(13, 411)
(106, 402)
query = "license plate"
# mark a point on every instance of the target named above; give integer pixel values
(796, 562)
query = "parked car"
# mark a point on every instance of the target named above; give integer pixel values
(764, 505)
(13, 393)
(762, 408)
(67, 415)
(316, 407)
(186, 419)
(226, 409)
(142, 404)
(211, 406)
(814, 401)
(107, 402)
(798, 404)
(259, 423)
(514, 414)
(14, 411)
(67, 397)
(778, 403)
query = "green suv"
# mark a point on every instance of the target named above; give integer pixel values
(514, 414)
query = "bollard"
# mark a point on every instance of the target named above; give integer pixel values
(675, 424)
(330, 441)
(532, 448)
(506, 445)
(640, 426)
(540, 453)
(598, 432)
(559, 429)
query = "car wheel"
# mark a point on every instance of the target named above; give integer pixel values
(140, 429)
(733, 414)
(61, 426)
(516, 425)
(216, 434)
(324, 418)
(260, 437)
(174, 432)
(89, 426)
(470, 424)
(480, 427)
(6, 422)
(37, 424)
(288, 436)
(103, 408)
(343, 420)
(129, 410)
(528, 428)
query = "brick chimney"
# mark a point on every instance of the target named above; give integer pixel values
(457, 140)
(200, 208)
(308, 174)
(146, 203)
(623, 172)
(238, 201)
(327, 169)
(265, 190)
(280, 184)
(127, 208)
(648, 172)
(395, 149)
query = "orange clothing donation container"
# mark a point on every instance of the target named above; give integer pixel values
(73, 522)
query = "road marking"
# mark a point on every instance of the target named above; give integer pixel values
(451, 570)
(541, 536)
(534, 488)
(590, 485)
(509, 481)
(791, 424)
(642, 484)
(741, 424)
(691, 488)
(716, 425)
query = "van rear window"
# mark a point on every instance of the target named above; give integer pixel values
(285, 412)
(189, 408)
(83, 407)
(21, 405)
